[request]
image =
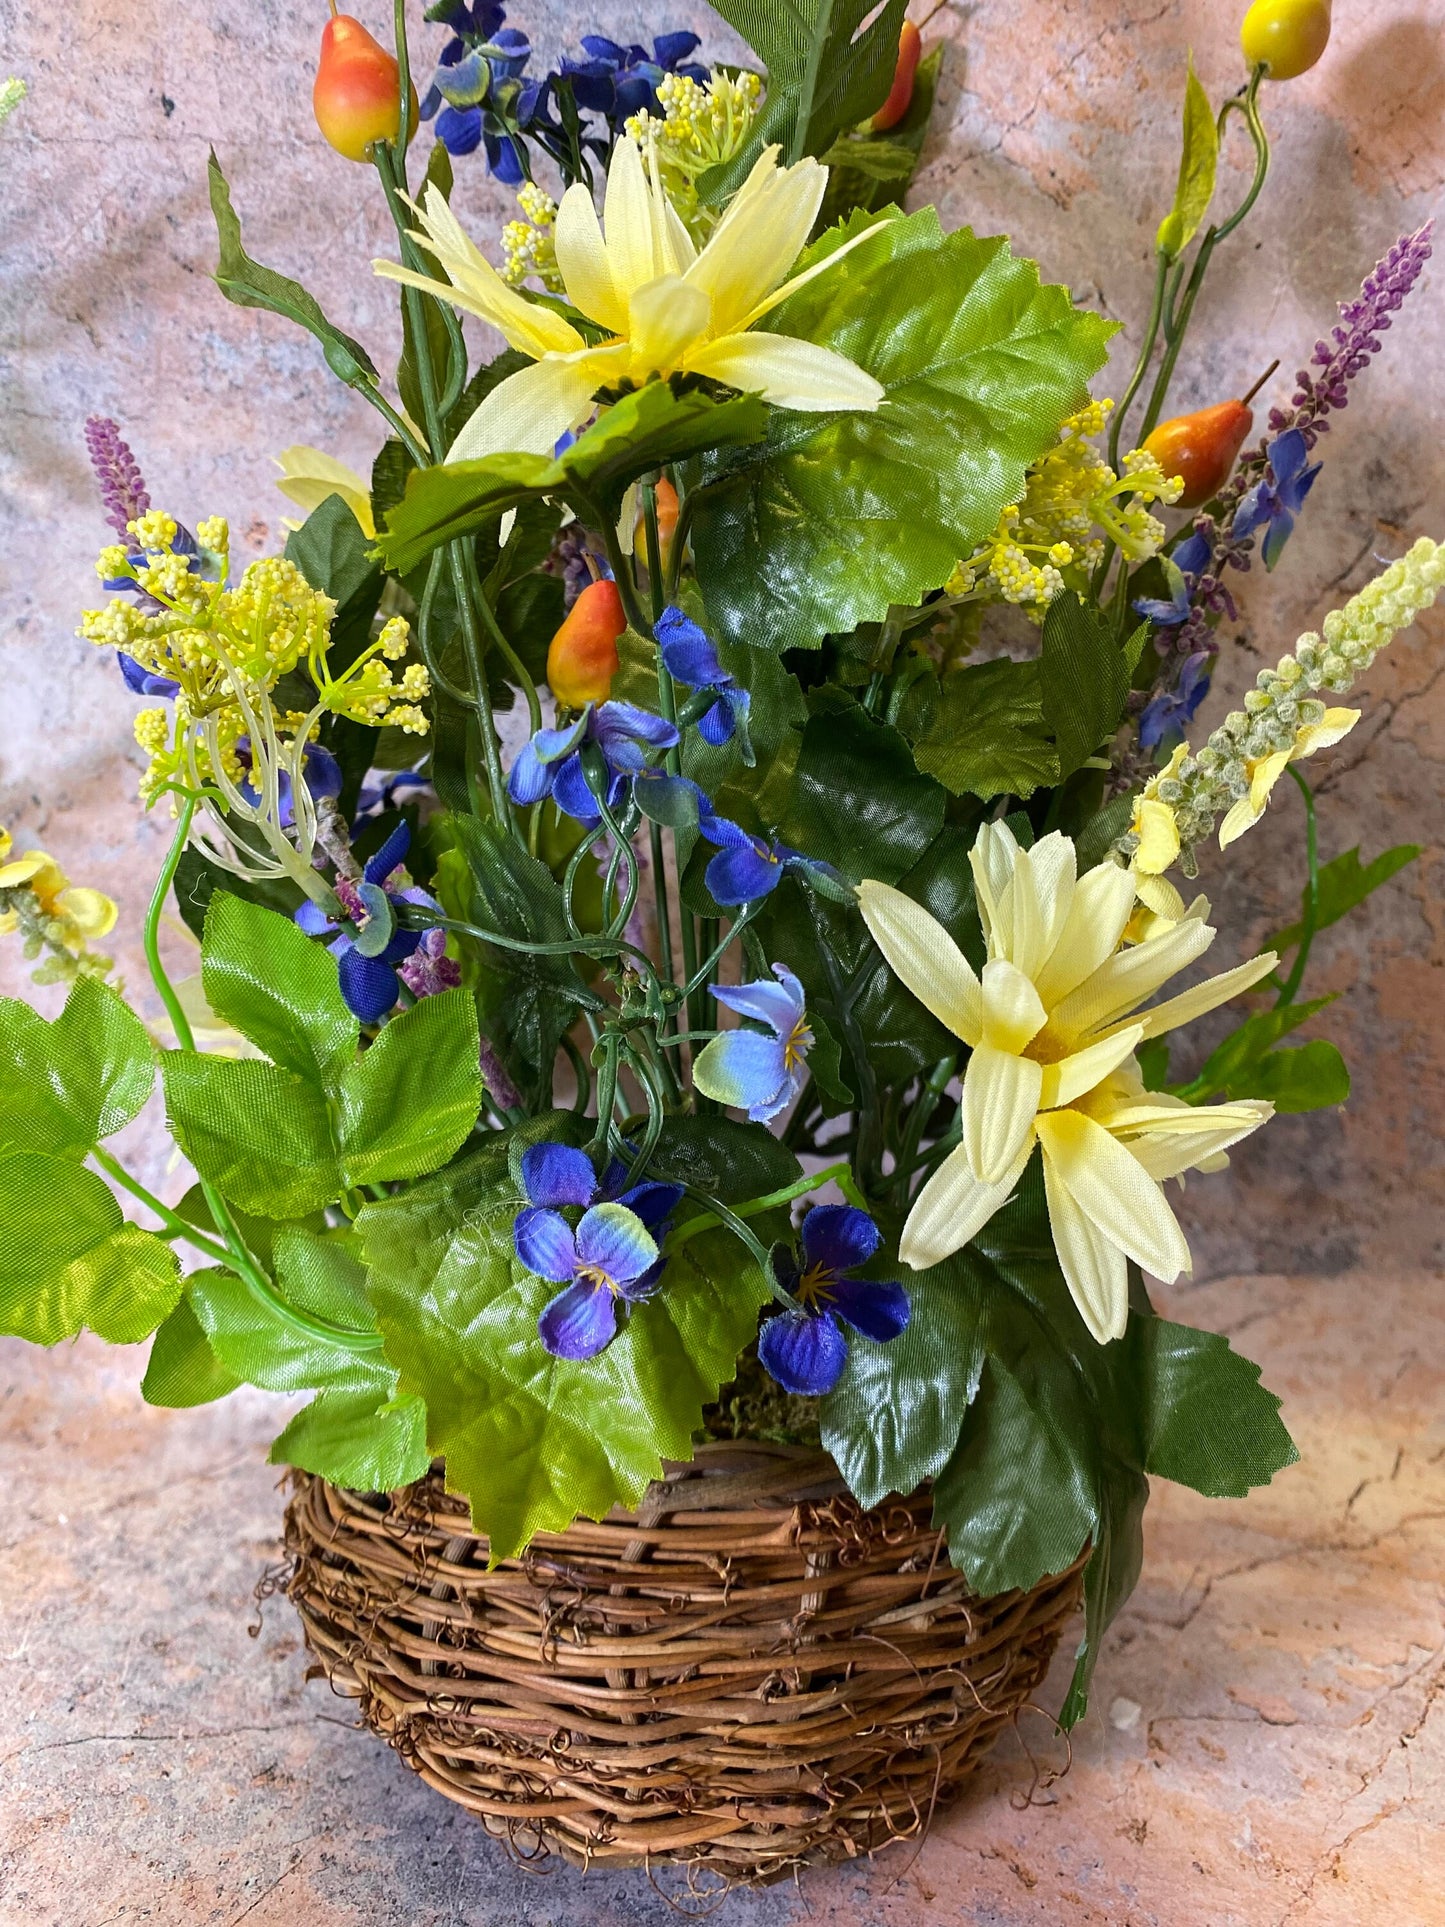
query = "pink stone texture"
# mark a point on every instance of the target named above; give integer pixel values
(1265, 1743)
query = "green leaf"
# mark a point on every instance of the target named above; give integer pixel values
(249, 285)
(412, 1099)
(198, 879)
(65, 1084)
(262, 1347)
(183, 1370)
(351, 1439)
(534, 1440)
(1084, 680)
(826, 71)
(263, 975)
(1232, 1065)
(68, 1259)
(836, 517)
(987, 734)
(868, 170)
(857, 801)
(1345, 882)
(1311, 1078)
(1209, 1423)
(1198, 161)
(644, 430)
(333, 553)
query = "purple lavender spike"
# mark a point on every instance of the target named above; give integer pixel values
(122, 488)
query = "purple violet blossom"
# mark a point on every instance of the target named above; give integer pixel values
(747, 867)
(617, 82)
(1274, 501)
(367, 959)
(748, 1069)
(612, 1255)
(804, 1348)
(429, 970)
(1170, 713)
(551, 763)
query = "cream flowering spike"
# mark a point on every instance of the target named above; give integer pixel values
(668, 308)
(1052, 1026)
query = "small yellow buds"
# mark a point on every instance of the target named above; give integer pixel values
(155, 530)
(39, 900)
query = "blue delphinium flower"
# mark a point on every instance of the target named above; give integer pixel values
(747, 867)
(551, 763)
(1182, 570)
(1274, 502)
(613, 1253)
(805, 1348)
(475, 90)
(1171, 712)
(692, 660)
(367, 958)
(617, 82)
(744, 1068)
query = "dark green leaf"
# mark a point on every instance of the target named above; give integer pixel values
(69, 1260)
(857, 800)
(183, 1370)
(1208, 1423)
(1345, 882)
(836, 517)
(826, 71)
(65, 1084)
(198, 879)
(249, 285)
(333, 553)
(857, 162)
(265, 977)
(987, 735)
(1083, 678)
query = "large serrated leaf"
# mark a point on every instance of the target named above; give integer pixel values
(63, 1085)
(268, 979)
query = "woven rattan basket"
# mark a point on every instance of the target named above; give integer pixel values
(752, 1672)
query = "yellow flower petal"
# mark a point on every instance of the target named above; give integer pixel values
(759, 239)
(1114, 1191)
(1000, 1102)
(1209, 995)
(1013, 1011)
(665, 319)
(534, 408)
(921, 953)
(1129, 976)
(1099, 909)
(1332, 728)
(787, 372)
(91, 911)
(1095, 1270)
(1153, 823)
(953, 1207)
(583, 264)
(309, 475)
(1169, 1139)
(23, 869)
(1073, 1077)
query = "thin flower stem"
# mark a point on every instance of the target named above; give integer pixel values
(705, 970)
(175, 1225)
(1309, 922)
(839, 1174)
(1146, 355)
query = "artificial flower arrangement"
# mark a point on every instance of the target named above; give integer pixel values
(767, 1040)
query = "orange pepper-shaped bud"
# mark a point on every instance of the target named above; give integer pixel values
(582, 657)
(1201, 448)
(900, 94)
(357, 93)
(667, 513)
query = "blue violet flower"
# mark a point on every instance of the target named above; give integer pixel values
(551, 763)
(744, 1068)
(1273, 504)
(1182, 570)
(805, 1348)
(613, 1253)
(747, 867)
(617, 82)
(691, 659)
(1171, 713)
(367, 960)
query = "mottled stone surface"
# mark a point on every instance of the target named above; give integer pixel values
(1283, 1652)
(1266, 1743)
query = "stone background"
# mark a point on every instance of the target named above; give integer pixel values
(1056, 122)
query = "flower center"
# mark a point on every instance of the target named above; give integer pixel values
(814, 1289)
(799, 1043)
(597, 1278)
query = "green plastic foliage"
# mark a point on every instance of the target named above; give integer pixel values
(1313, 1077)
(824, 75)
(869, 170)
(1345, 882)
(1040, 1439)
(857, 801)
(1083, 680)
(350, 1439)
(249, 285)
(1245, 1064)
(287, 1137)
(644, 430)
(69, 1260)
(183, 1370)
(65, 1084)
(533, 1440)
(835, 517)
(1198, 161)
(985, 733)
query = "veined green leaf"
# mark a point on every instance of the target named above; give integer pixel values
(1231, 1066)
(1197, 164)
(987, 735)
(65, 1084)
(1208, 1422)
(1345, 882)
(835, 517)
(826, 71)
(410, 1100)
(249, 285)
(643, 430)
(183, 1369)
(264, 1348)
(1084, 680)
(69, 1260)
(1312, 1077)
(267, 978)
(857, 801)
(356, 1441)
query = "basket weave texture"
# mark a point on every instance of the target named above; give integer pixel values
(750, 1673)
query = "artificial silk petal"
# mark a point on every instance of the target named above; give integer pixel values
(579, 1322)
(743, 1069)
(925, 958)
(1099, 909)
(1207, 996)
(1130, 976)
(787, 372)
(953, 1207)
(545, 1244)
(879, 1311)
(805, 1354)
(653, 1201)
(554, 1174)
(582, 261)
(838, 1237)
(758, 239)
(1013, 1011)
(992, 858)
(742, 875)
(1169, 1145)
(310, 475)
(91, 911)
(1096, 1271)
(1115, 1191)
(780, 1005)
(1072, 1077)
(390, 856)
(530, 779)
(1000, 1102)
(665, 318)
(614, 1241)
(368, 986)
(531, 410)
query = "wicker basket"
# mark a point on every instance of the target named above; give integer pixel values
(752, 1672)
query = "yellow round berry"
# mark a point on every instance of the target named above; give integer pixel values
(1286, 37)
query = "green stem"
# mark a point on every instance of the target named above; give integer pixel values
(606, 1090)
(705, 970)
(923, 1108)
(1146, 355)
(662, 899)
(1309, 922)
(175, 1225)
(839, 1174)
(654, 547)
